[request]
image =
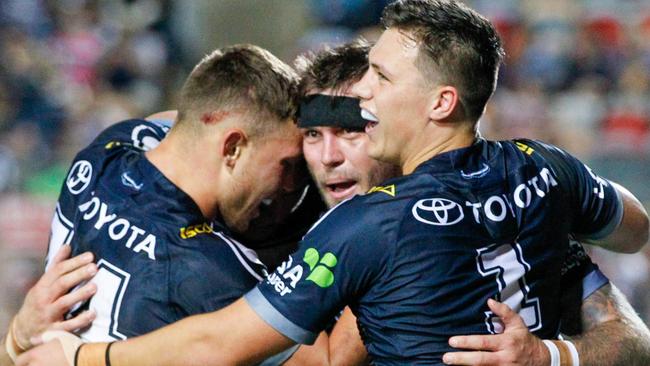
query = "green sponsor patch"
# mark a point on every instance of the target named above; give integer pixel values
(320, 268)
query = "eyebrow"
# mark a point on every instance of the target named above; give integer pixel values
(381, 69)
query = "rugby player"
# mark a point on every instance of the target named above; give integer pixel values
(396, 271)
(159, 215)
(334, 145)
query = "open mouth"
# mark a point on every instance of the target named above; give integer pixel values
(341, 187)
(341, 190)
(373, 121)
(370, 126)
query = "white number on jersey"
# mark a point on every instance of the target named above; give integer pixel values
(111, 284)
(61, 232)
(507, 264)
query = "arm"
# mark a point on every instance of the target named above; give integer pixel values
(315, 354)
(633, 231)
(346, 346)
(48, 301)
(606, 214)
(234, 335)
(343, 347)
(612, 335)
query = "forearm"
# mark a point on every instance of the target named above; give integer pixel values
(314, 355)
(343, 347)
(233, 335)
(612, 332)
(345, 344)
(180, 344)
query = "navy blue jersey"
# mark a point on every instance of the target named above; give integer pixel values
(159, 259)
(417, 258)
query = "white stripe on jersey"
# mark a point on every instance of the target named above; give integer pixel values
(249, 253)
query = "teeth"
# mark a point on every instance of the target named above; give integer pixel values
(267, 202)
(369, 116)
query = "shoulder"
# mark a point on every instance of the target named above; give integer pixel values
(375, 216)
(538, 151)
(131, 135)
(214, 253)
(137, 133)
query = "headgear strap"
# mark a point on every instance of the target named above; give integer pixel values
(326, 110)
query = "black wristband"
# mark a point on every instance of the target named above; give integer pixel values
(107, 355)
(76, 354)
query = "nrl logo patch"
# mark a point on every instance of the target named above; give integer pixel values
(389, 190)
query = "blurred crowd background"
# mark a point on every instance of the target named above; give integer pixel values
(577, 74)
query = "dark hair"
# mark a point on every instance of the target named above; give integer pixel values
(457, 46)
(333, 68)
(244, 76)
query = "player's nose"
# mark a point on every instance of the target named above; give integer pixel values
(331, 154)
(361, 89)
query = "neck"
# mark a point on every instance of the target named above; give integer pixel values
(179, 161)
(436, 141)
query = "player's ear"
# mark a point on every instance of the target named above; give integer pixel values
(234, 142)
(444, 102)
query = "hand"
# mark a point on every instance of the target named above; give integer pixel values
(59, 350)
(48, 301)
(515, 346)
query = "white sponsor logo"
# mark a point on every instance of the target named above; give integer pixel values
(497, 208)
(119, 229)
(79, 177)
(286, 277)
(438, 211)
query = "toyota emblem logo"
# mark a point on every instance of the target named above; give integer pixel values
(79, 176)
(438, 211)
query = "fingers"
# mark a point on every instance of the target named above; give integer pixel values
(80, 321)
(509, 318)
(62, 254)
(61, 268)
(476, 342)
(64, 303)
(470, 358)
(71, 279)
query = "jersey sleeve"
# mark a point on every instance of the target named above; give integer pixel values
(335, 263)
(596, 204)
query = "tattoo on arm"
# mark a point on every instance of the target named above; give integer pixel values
(598, 308)
(613, 334)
